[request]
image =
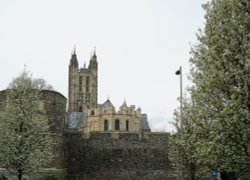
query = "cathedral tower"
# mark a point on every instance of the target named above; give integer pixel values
(82, 84)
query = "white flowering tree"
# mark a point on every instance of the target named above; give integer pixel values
(25, 140)
(182, 151)
(221, 76)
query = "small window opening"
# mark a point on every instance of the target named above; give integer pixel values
(117, 124)
(127, 125)
(80, 109)
(106, 125)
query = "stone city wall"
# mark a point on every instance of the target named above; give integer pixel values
(112, 155)
(54, 105)
(3, 98)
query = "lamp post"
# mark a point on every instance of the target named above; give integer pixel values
(179, 72)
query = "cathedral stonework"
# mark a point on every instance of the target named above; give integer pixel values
(106, 118)
(82, 85)
(85, 113)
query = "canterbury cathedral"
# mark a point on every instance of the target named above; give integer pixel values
(84, 112)
(97, 141)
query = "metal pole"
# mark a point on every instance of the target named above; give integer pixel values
(181, 96)
(179, 72)
(181, 102)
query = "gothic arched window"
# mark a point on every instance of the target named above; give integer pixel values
(117, 124)
(106, 125)
(87, 84)
(79, 106)
(127, 125)
(80, 83)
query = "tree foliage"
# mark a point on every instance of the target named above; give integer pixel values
(221, 74)
(25, 143)
(182, 152)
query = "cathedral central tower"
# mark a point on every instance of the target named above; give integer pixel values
(82, 84)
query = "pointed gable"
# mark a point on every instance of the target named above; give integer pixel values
(107, 105)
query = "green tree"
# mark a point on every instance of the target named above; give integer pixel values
(25, 141)
(182, 150)
(221, 76)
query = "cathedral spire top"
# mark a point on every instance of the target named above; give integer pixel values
(74, 51)
(124, 103)
(94, 54)
(73, 60)
(93, 60)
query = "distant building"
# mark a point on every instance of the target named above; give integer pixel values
(85, 113)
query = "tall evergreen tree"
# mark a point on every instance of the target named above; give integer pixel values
(221, 76)
(25, 141)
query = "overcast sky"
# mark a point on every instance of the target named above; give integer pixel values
(139, 45)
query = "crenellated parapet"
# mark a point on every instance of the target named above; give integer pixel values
(106, 118)
(108, 108)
